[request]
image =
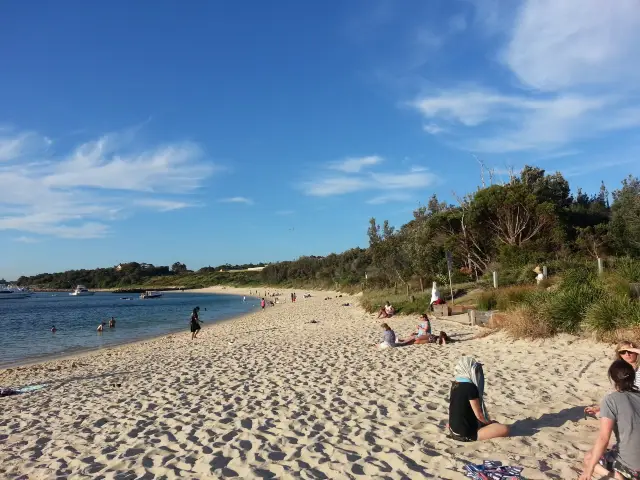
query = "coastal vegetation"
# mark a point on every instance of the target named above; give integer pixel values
(509, 228)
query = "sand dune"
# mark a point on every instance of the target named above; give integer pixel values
(271, 395)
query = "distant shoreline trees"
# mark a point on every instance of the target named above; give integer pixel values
(533, 218)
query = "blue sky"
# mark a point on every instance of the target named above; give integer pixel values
(212, 132)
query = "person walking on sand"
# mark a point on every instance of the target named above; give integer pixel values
(620, 415)
(262, 304)
(195, 323)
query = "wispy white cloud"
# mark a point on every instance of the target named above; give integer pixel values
(335, 186)
(557, 45)
(77, 195)
(390, 197)
(356, 181)
(433, 128)
(577, 79)
(13, 146)
(245, 200)
(163, 205)
(24, 239)
(355, 164)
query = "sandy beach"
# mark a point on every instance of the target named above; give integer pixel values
(272, 395)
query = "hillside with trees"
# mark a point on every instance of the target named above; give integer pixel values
(531, 219)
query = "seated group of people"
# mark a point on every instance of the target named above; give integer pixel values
(422, 334)
(619, 411)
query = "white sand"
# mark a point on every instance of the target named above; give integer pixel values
(291, 399)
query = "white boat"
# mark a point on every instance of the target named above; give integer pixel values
(81, 291)
(24, 290)
(150, 294)
(7, 293)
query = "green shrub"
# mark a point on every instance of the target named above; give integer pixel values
(628, 268)
(512, 296)
(612, 312)
(568, 306)
(487, 300)
(579, 275)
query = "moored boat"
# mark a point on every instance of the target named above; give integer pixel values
(8, 293)
(150, 294)
(81, 291)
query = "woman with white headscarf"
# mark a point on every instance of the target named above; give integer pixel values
(468, 417)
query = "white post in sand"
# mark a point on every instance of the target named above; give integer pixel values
(544, 271)
(495, 279)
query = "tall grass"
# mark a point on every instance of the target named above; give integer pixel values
(504, 298)
(627, 268)
(523, 322)
(582, 301)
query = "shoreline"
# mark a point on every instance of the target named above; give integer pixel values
(297, 391)
(87, 351)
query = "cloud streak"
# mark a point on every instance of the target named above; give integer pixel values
(353, 180)
(244, 200)
(355, 165)
(78, 194)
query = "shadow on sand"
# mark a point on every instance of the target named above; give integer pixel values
(531, 426)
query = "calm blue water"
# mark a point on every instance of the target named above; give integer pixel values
(25, 324)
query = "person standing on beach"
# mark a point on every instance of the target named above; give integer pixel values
(262, 303)
(195, 323)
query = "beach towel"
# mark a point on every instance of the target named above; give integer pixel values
(469, 370)
(493, 470)
(5, 392)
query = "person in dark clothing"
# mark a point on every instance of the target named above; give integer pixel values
(468, 417)
(195, 323)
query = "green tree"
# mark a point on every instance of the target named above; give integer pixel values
(625, 217)
(178, 268)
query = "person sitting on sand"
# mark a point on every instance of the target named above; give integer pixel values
(388, 337)
(627, 351)
(386, 311)
(441, 339)
(619, 413)
(112, 323)
(468, 418)
(195, 323)
(422, 329)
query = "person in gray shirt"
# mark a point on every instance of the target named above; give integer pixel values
(620, 414)
(388, 337)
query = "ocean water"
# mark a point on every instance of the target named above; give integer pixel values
(25, 324)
